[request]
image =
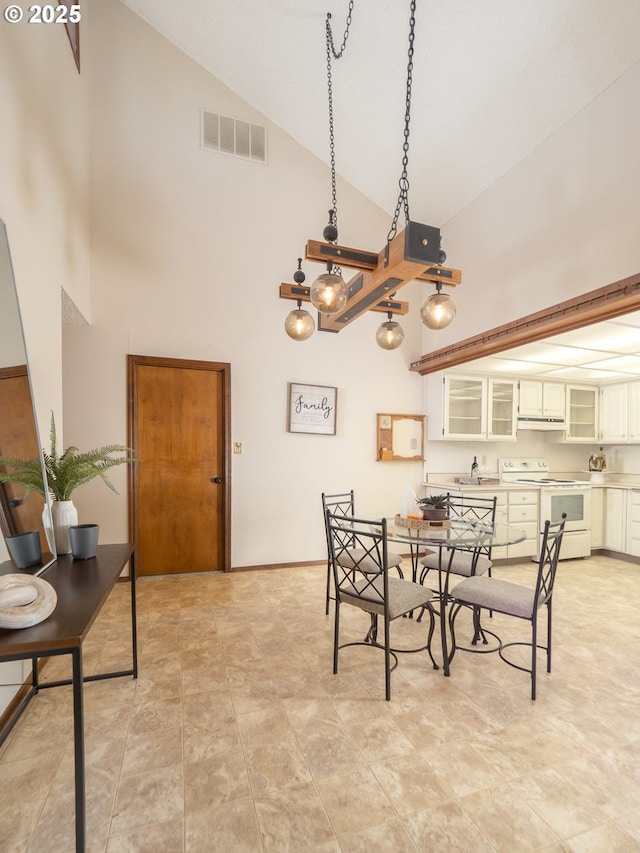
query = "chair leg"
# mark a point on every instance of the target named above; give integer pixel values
(549, 605)
(387, 662)
(328, 593)
(534, 653)
(336, 635)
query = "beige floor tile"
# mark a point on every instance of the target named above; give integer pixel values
(388, 836)
(411, 784)
(292, 819)
(446, 827)
(507, 821)
(232, 826)
(237, 736)
(214, 781)
(148, 798)
(355, 800)
(167, 837)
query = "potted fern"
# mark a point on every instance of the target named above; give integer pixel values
(65, 473)
(434, 507)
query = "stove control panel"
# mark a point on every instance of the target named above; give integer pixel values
(523, 466)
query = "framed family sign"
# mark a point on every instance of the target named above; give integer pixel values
(312, 408)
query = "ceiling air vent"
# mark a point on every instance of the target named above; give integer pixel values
(232, 136)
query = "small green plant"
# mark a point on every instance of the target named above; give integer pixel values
(66, 472)
(433, 502)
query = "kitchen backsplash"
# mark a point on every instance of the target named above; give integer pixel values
(447, 456)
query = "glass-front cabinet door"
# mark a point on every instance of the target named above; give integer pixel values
(465, 411)
(582, 413)
(502, 409)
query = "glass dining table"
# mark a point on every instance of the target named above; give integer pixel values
(451, 536)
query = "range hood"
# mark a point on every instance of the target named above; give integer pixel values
(542, 423)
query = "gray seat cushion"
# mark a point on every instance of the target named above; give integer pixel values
(502, 596)
(403, 596)
(460, 565)
(351, 558)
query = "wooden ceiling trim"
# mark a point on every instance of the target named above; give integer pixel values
(604, 303)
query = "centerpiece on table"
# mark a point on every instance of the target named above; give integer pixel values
(65, 473)
(434, 507)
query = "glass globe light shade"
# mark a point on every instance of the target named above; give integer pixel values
(328, 293)
(438, 311)
(389, 335)
(299, 324)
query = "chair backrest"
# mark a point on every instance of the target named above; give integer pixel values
(358, 552)
(548, 564)
(342, 503)
(472, 508)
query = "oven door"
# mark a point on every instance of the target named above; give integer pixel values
(575, 501)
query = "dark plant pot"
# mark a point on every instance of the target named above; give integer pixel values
(431, 514)
(24, 549)
(84, 541)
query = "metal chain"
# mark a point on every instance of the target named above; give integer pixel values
(403, 197)
(331, 51)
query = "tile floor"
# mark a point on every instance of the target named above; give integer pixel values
(238, 737)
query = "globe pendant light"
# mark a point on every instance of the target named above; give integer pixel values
(389, 335)
(299, 323)
(328, 292)
(438, 310)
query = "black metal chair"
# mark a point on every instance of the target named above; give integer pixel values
(342, 504)
(360, 562)
(523, 602)
(477, 561)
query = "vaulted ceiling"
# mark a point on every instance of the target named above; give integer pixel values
(491, 81)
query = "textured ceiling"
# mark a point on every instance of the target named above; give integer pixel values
(603, 352)
(492, 80)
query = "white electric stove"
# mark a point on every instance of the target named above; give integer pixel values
(557, 496)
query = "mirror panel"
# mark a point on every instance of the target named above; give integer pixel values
(400, 438)
(19, 436)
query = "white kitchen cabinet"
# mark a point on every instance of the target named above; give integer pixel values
(597, 517)
(539, 399)
(633, 522)
(519, 508)
(501, 415)
(614, 413)
(634, 411)
(582, 413)
(465, 407)
(616, 519)
(471, 408)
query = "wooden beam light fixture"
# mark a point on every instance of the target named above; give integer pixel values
(414, 253)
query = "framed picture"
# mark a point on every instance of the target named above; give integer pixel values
(72, 26)
(312, 408)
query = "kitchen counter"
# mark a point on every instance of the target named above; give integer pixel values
(448, 485)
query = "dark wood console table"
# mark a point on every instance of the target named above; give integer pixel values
(82, 587)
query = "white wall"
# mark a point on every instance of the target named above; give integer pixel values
(44, 190)
(562, 222)
(188, 250)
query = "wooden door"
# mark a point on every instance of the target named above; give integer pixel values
(179, 491)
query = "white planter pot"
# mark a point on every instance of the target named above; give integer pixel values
(64, 515)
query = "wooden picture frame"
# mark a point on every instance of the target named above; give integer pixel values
(72, 26)
(311, 409)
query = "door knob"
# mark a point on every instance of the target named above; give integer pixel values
(216, 479)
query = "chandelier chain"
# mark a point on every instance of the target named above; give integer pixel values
(336, 54)
(403, 183)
